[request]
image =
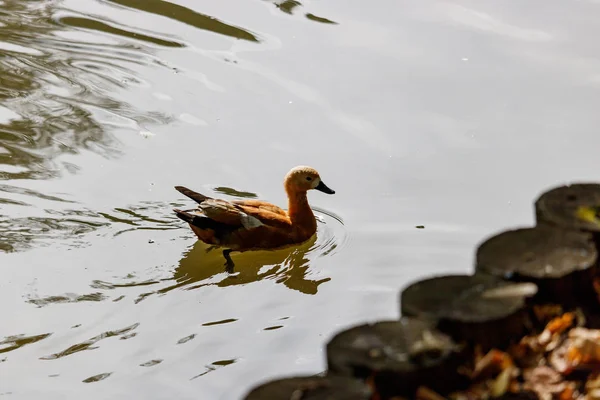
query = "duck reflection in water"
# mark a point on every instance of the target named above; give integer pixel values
(203, 266)
(200, 267)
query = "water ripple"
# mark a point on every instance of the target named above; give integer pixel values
(202, 265)
(67, 298)
(69, 227)
(89, 344)
(50, 76)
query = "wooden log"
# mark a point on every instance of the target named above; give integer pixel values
(479, 309)
(572, 207)
(575, 207)
(396, 357)
(561, 263)
(311, 388)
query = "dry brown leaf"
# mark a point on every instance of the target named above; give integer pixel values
(500, 385)
(526, 353)
(569, 393)
(560, 324)
(544, 381)
(584, 346)
(550, 338)
(494, 362)
(593, 395)
(547, 357)
(558, 359)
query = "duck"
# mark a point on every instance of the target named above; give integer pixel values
(250, 224)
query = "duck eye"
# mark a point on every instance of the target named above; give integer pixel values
(308, 178)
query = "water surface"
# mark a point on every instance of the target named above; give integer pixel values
(453, 116)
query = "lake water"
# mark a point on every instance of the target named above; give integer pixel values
(451, 115)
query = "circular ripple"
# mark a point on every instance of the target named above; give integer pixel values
(331, 233)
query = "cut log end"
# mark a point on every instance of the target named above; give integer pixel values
(561, 263)
(574, 207)
(479, 309)
(311, 388)
(397, 357)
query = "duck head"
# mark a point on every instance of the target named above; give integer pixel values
(303, 179)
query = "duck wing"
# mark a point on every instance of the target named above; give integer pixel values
(218, 210)
(226, 212)
(267, 213)
(232, 215)
(244, 215)
(262, 206)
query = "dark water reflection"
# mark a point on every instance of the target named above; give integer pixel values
(291, 6)
(86, 23)
(11, 343)
(187, 16)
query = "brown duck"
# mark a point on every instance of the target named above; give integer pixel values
(242, 225)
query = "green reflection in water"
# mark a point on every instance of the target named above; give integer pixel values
(28, 192)
(87, 23)
(186, 339)
(214, 366)
(221, 322)
(187, 16)
(151, 363)
(97, 378)
(11, 343)
(235, 193)
(322, 20)
(288, 6)
(273, 328)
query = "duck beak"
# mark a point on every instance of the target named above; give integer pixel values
(324, 188)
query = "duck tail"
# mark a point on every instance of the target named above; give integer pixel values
(197, 197)
(200, 221)
(184, 215)
(206, 229)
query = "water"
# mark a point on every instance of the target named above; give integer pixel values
(452, 116)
